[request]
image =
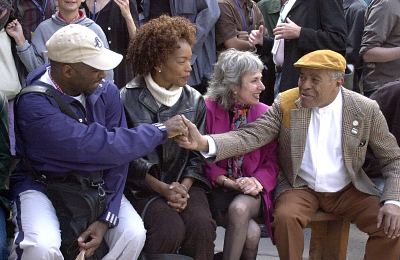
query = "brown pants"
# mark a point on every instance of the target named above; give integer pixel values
(294, 209)
(191, 232)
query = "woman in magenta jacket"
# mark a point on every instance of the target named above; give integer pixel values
(242, 185)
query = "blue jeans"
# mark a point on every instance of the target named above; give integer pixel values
(3, 236)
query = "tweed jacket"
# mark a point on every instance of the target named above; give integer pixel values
(363, 124)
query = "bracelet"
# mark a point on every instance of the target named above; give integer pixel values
(186, 188)
(223, 181)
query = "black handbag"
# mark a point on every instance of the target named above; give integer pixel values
(78, 202)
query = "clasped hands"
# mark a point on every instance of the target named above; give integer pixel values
(176, 195)
(249, 185)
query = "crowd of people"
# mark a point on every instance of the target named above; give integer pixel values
(131, 129)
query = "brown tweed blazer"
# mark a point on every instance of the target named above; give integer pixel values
(363, 125)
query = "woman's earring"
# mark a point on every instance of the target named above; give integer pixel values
(159, 71)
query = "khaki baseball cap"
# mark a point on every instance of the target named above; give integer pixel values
(77, 43)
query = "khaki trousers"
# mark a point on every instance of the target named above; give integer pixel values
(294, 209)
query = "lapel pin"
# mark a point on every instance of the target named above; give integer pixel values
(354, 131)
(355, 123)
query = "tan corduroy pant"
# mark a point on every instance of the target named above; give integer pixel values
(294, 209)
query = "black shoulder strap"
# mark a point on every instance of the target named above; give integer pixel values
(49, 91)
(45, 89)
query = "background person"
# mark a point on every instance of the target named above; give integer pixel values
(5, 160)
(302, 27)
(380, 45)
(119, 20)
(33, 54)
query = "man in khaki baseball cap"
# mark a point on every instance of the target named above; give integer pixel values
(76, 43)
(78, 59)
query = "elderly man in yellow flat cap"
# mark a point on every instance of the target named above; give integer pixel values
(323, 131)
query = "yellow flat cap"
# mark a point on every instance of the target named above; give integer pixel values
(322, 59)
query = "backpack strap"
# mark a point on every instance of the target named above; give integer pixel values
(48, 90)
(51, 92)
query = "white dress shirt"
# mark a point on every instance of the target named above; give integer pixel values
(322, 166)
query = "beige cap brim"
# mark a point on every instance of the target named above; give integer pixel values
(107, 60)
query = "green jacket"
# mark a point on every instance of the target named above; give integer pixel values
(5, 157)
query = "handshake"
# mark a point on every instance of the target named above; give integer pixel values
(186, 133)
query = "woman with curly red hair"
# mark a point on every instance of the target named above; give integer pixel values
(168, 186)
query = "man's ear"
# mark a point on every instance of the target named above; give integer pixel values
(67, 71)
(340, 82)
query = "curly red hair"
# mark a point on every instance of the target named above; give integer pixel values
(156, 40)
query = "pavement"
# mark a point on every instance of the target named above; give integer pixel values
(267, 251)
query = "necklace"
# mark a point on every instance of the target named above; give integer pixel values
(55, 83)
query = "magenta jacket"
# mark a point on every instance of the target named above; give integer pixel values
(261, 163)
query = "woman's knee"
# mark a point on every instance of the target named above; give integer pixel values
(238, 210)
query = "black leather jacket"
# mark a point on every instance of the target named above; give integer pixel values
(168, 162)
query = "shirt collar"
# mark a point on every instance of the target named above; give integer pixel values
(79, 16)
(334, 106)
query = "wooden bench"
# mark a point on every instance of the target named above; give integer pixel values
(329, 237)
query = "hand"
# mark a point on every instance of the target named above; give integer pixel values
(124, 7)
(91, 238)
(176, 126)
(14, 29)
(257, 36)
(248, 186)
(194, 140)
(227, 183)
(243, 35)
(389, 217)
(176, 195)
(288, 30)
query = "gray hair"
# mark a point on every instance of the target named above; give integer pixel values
(229, 70)
(337, 75)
